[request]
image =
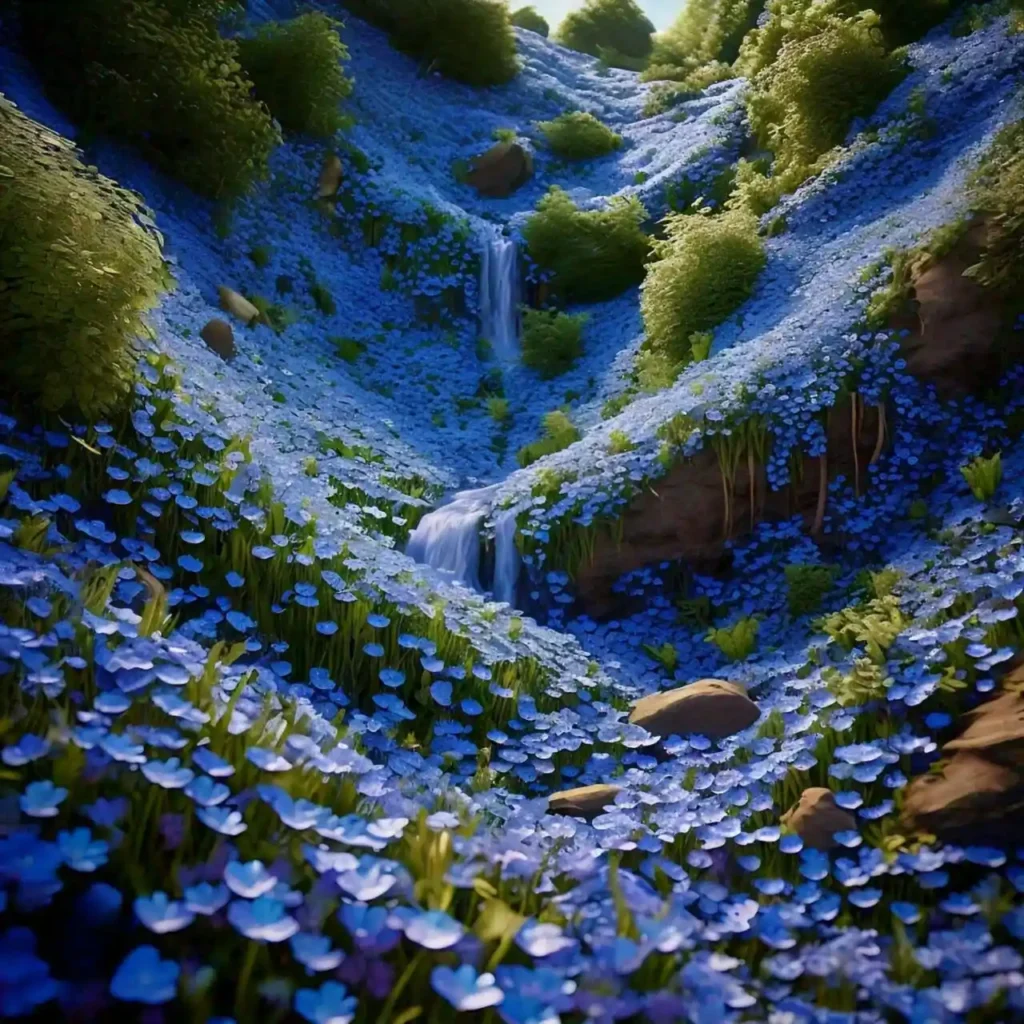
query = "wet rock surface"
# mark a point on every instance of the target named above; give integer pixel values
(816, 818)
(711, 707)
(219, 337)
(502, 170)
(584, 801)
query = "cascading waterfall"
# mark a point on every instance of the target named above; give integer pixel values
(499, 296)
(448, 539)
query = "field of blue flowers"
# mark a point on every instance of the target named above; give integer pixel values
(258, 764)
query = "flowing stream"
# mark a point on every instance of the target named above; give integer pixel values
(499, 296)
(449, 539)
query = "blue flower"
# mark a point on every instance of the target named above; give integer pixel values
(161, 914)
(315, 953)
(541, 940)
(249, 880)
(80, 851)
(264, 919)
(370, 880)
(330, 1004)
(144, 978)
(25, 981)
(433, 929)
(41, 799)
(168, 774)
(206, 899)
(466, 990)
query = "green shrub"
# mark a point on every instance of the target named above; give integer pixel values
(610, 25)
(157, 74)
(802, 105)
(997, 193)
(260, 256)
(552, 341)
(499, 410)
(592, 255)
(666, 655)
(619, 443)
(322, 298)
(654, 370)
(559, 433)
(983, 476)
(296, 68)
(579, 136)
(349, 349)
(469, 40)
(806, 587)
(706, 268)
(736, 642)
(75, 276)
(528, 18)
(707, 33)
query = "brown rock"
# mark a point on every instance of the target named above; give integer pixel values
(711, 707)
(330, 177)
(816, 817)
(959, 321)
(219, 337)
(995, 730)
(971, 800)
(501, 170)
(584, 801)
(237, 305)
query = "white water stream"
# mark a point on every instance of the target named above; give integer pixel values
(499, 296)
(449, 539)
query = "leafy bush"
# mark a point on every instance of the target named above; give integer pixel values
(579, 136)
(806, 587)
(610, 25)
(707, 33)
(296, 68)
(706, 267)
(559, 433)
(157, 74)
(619, 443)
(591, 255)
(737, 641)
(983, 476)
(552, 341)
(528, 18)
(802, 105)
(74, 276)
(469, 40)
(997, 192)
(499, 410)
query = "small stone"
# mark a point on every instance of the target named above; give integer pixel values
(237, 305)
(219, 337)
(971, 800)
(584, 801)
(711, 707)
(330, 177)
(816, 818)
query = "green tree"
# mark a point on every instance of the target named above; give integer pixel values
(607, 26)
(528, 18)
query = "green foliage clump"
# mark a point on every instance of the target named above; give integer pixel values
(499, 410)
(157, 74)
(666, 655)
(552, 341)
(706, 35)
(801, 106)
(349, 349)
(997, 193)
(866, 681)
(528, 18)
(705, 268)
(874, 626)
(579, 136)
(593, 254)
(737, 641)
(296, 68)
(559, 433)
(260, 256)
(469, 40)
(983, 475)
(806, 587)
(654, 370)
(600, 27)
(619, 443)
(75, 276)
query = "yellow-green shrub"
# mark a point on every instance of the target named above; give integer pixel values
(801, 105)
(706, 267)
(296, 68)
(76, 272)
(579, 136)
(552, 341)
(469, 40)
(157, 74)
(592, 255)
(559, 433)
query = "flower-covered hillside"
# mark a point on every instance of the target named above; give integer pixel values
(754, 754)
